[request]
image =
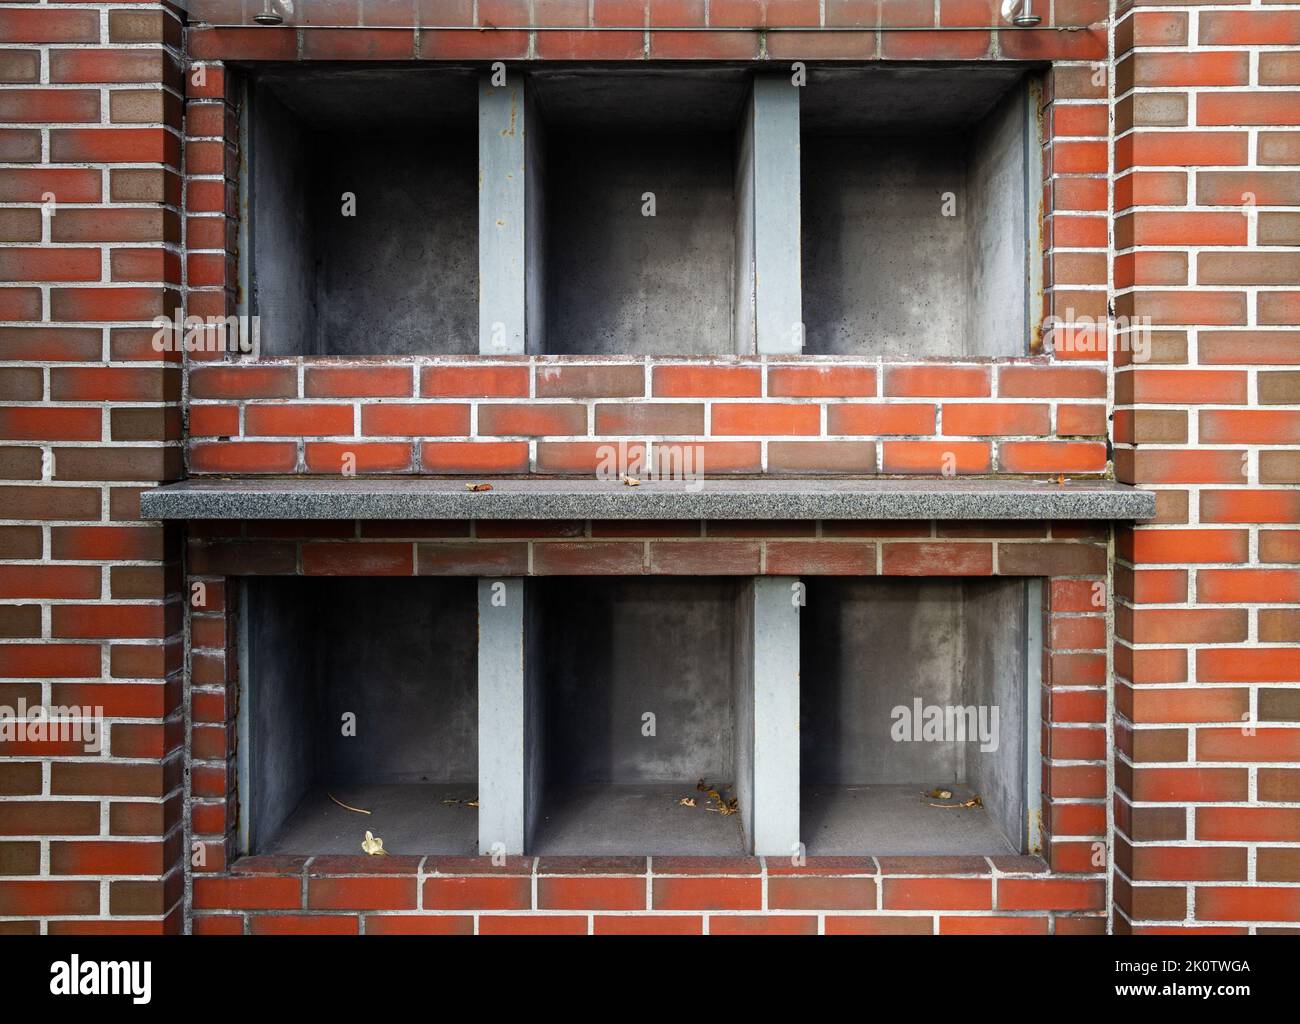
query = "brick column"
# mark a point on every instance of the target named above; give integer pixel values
(1207, 670)
(90, 612)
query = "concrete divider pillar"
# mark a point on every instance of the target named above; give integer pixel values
(769, 304)
(505, 699)
(767, 714)
(510, 195)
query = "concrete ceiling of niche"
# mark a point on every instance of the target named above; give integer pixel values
(337, 99)
(835, 99)
(651, 100)
(901, 100)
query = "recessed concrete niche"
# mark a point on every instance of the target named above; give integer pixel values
(364, 689)
(605, 702)
(399, 276)
(920, 211)
(613, 651)
(900, 681)
(640, 209)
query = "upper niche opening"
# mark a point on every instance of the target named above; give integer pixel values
(919, 199)
(639, 173)
(363, 211)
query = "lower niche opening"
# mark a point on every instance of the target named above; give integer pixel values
(909, 687)
(612, 651)
(359, 691)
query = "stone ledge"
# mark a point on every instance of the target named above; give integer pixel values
(794, 498)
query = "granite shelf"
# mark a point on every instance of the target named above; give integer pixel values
(769, 498)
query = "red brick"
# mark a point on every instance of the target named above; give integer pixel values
(539, 924)
(705, 558)
(879, 924)
(993, 419)
(357, 382)
(993, 925)
(770, 418)
(482, 892)
(418, 924)
(1052, 457)
(471, 558)
(1256, 903)
(690, 380)
(1050, 382)
(474, 381)
(591, 894)
(937, 381)
(704, 893)
(336, 457)
(48, 898)
(821, 893)
(247, 893)
(1050, 894)
(361, 893)
(881, 418)
(588, 558)
(938, 893)
(304, 924)
(604, 380)
(474, 457)
(1257, 506)
(954, 559)
(821, 381)
(353, 559)
(243, 382)
(298, 420)
(400, 420)
(528, 419)
(244, 457)
(829, 558)
(762, 924)
(937, 457)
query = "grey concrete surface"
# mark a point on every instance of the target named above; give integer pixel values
(398, 654)
(775, 671)
(871, 646)
(619, 282)
(915, 98)
(887, 270)
(895, 820)
(411, 819)
(744, 673)
(634, 820)
(519, 498)
(503, 718)
(401, 276)
(996, 657)
(614, 650)
(617, 648)
(769, 151)
(509, 216)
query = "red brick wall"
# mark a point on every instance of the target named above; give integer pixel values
(90, 609)
(560, 415)
(1206, 825)
(1207, 728)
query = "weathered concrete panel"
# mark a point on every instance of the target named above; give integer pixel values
(502, 216)
(775, 828)
(363, 218)
(502, 716)
(777, 289)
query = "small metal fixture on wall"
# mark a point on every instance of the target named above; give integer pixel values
(268, 15)
(1025, 18)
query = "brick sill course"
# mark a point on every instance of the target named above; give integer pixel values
(463, 895)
